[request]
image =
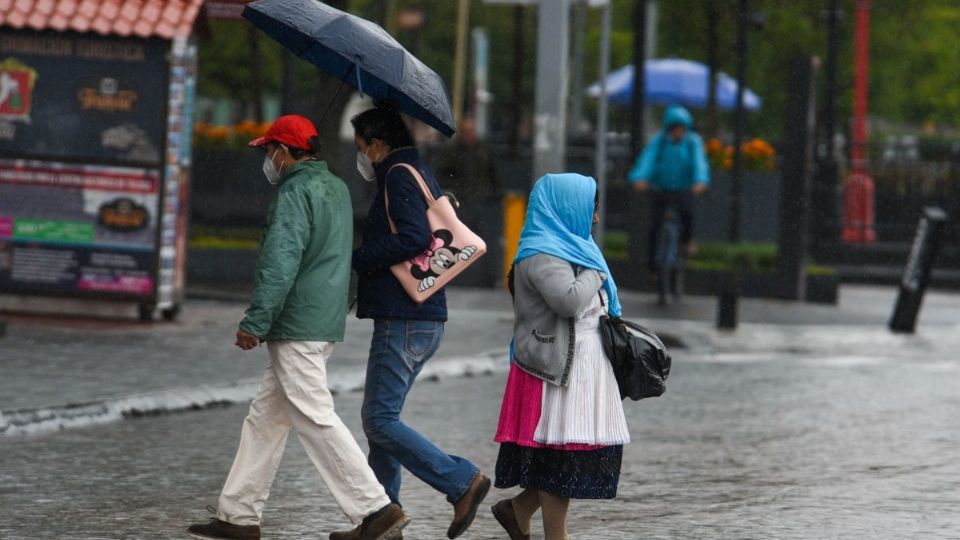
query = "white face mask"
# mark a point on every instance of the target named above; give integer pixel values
(365, 167)
(272, 173)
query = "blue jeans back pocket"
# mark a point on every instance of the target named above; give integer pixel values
(421, 340)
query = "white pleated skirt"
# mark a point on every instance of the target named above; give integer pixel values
(588, 410)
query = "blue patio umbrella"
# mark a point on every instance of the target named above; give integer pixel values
(359, 53)
(675, 81)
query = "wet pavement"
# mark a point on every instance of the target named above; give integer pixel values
(47, 361)
(68, 360)
(812, 429)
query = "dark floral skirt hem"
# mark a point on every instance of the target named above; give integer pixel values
(584, 474)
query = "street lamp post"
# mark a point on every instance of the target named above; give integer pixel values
(825, 188)
(858, 189)
(637, 227)
(550, 122)
(460, 60)
(730, 291)
(600, 164)
(733, 224)
(639, 82)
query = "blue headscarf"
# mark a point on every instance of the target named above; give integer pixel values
(559, 219)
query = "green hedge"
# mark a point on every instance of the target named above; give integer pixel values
(710, 256)
(616, 245)
(746, 257)
(716, 256)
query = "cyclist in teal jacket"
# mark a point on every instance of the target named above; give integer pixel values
(674, 167)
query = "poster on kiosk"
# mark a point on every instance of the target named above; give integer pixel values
(94, 163)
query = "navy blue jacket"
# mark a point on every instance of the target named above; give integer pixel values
(379, 294)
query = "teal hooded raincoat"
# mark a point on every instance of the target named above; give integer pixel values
(673, 165)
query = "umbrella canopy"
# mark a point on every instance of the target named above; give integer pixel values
(675, 81)
(358, 52)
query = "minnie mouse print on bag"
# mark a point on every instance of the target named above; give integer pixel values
(454, 247)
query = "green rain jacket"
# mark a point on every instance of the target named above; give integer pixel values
(303, 269)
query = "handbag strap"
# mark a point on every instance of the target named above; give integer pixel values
(427, 194)
(603, 305)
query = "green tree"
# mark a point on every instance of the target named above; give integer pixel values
(912, 72)
(914, 76)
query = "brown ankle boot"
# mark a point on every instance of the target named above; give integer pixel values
(222, 530)
(384, 524)
(466, 508)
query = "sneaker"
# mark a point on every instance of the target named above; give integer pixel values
(384, 524)
(222, 530)
(466, 508)
(505, 515)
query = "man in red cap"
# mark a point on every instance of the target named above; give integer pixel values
(299, 309)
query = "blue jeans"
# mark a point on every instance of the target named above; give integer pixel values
(399, 350)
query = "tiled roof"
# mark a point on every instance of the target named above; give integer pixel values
(143, 18)
(225, 9)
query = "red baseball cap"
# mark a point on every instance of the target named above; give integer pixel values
(292, 130)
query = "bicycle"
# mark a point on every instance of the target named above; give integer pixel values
(668, 258)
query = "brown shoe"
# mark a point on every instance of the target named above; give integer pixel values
(466, 508)
(354, 535)
(504, 513)
(384, 524)
(222, 530)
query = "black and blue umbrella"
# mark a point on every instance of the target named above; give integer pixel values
(359, 53)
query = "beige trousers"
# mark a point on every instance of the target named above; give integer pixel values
(294, 393)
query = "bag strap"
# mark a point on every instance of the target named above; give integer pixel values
(427, 194)
(603, 306)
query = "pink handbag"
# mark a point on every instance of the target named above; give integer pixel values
(454, 247)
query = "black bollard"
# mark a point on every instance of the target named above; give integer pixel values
(3, 328)
(727, 310)
(727, 303)
(916, 273)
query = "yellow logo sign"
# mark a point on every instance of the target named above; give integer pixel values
(108, 97)
(16, 89)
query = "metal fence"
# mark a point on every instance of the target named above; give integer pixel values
(903, 188)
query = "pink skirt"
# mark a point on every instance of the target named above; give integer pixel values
(520, 412)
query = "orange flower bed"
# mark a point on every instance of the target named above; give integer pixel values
(756, 154)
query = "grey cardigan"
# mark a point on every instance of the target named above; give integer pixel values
(548, 294)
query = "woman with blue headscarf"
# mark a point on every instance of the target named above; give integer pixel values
(562, 426)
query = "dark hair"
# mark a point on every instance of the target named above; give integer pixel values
(382, 122)
(299, 153)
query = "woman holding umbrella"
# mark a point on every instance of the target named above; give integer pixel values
(406, 334)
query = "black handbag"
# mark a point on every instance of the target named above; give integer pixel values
(640, 360)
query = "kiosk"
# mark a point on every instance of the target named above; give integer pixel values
(95, 125)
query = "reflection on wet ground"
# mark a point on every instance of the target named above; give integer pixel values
(779, 440)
